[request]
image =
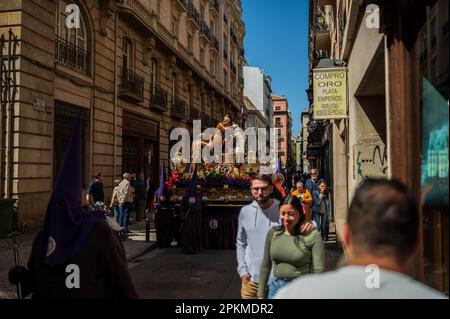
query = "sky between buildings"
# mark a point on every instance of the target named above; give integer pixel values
(276, 40)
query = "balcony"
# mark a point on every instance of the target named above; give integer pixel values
(158, 99)
(214, 44)
(233, 36)
(233, 68)
(182, 4)
(193, 17)
(205, 32)
(131, 86)
(71, 56)
(225, 54)
(241, 81)
(214, 7)
(242, 52)
(136, 13)
(178, 108)
(323, 16)
(194, 113)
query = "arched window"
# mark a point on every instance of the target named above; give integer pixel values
(71, 43)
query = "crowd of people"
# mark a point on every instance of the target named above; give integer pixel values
(132, 195)
(279, 243)
(278, 248)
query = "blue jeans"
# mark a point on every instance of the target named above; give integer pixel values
(322, 222)
(123, 216)
(116, 212)
(276, 284)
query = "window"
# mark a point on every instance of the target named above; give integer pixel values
(174, 85)
(277, 121)
(174, 26)
(190, 43)
(202, 56)
(225, 79)
(277, 108)
(126, 54)
(225, 47)
(154, 74)
(202, 12)
(71, 45)
(189, 92)
(225, 19)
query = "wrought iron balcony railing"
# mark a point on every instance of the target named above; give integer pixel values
(192, 14)
(72, 56)
(178, 107)
(205, 31)
(214, 5)
(194, 113)
(214, 45)
(158, 98)
(233, 68)
(132, 85)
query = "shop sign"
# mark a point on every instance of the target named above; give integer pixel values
(330, 93)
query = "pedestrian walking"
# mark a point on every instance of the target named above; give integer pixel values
(115, 201)
(289, 254)
(305, 198)
(381, 239)
(313, 182)
(95, 190)
(254, 222)
(125, 198)
(322, 209)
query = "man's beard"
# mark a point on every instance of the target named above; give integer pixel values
(263, 200)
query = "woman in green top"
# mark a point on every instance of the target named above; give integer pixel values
(290, 254)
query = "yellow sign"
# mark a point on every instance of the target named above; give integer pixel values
(330, 93)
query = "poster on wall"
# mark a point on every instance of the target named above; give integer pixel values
(434, 175)
(330, 93)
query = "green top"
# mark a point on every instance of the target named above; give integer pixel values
(291, 256)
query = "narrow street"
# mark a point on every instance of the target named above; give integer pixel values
(169, 274)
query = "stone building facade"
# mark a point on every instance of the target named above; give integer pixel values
(131, 70)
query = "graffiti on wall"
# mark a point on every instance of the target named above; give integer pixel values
(371, 160)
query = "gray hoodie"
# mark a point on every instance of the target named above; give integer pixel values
(254, 224)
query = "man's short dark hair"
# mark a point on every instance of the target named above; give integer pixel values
(98, 174)
(263, 177)
(383, 218)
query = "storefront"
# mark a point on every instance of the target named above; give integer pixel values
(140, 146)
(419, 111)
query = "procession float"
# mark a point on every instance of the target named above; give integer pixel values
(204, 201)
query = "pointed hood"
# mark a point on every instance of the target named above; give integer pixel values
(192, 192)
(67, 224)
(162, 190)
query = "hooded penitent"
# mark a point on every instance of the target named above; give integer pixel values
(162, 193)
(67, 224)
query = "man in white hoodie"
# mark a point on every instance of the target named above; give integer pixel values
(254, 223)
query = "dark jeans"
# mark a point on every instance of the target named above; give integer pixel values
(322, 223)
(123, 215)
(116, 211)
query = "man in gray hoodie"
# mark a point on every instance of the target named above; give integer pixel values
(254, 223)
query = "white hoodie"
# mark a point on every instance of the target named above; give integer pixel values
(254, 224)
